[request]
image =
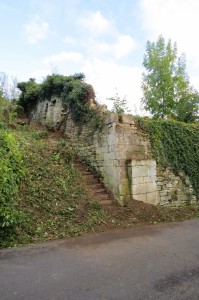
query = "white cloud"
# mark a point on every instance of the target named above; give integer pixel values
(109, 77)
(95, 23)
(97, 29)
(124, 45)
(36, 30)
(175, 19)
(64, 56)
(69, 40)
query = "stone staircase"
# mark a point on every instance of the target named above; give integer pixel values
(93, 184)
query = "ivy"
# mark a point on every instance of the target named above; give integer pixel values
(175, 145)
(72, 90)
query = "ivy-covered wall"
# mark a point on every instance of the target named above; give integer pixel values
(175, 145)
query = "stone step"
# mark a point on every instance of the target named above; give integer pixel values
(103, 196)
(93, 182)
(83, 170)
(101, 190)
(89, 176)
(95, 185)
(106, 202)
(85, 174)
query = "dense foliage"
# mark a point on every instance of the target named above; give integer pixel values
(11, 172)
(30, 94)
(166, 87)
(176, 145)
(74, 92)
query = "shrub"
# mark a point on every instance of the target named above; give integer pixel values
(11, 172)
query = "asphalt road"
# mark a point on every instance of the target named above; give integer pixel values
(154, 262)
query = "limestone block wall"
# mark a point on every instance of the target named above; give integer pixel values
(111, 151)
(144, 181)
(174, 190)
(121, 155)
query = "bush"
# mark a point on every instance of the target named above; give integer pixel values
(11, 172)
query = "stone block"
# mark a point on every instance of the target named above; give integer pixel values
(138, 180)
(164, 199)
(139, 171)
(151, 187)
(152, 171)
(160, 183)
(169, 185)
(139, 189)
(111, 119)
(111, 139)
(163, 193)
(128, 119)
(111, 148)
(116, 163)
(106, 156)
(151, 198)
(140, 197)
(148, 179)
(112, 156)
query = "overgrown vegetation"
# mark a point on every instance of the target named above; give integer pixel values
(11, 170)
(175, 145)
(51, 203)
(11, 173)
(50, 199)
(76, 96)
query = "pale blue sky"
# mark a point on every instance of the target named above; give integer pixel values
(105, 39)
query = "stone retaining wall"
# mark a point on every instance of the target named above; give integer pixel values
(174, 190)
(121, 155)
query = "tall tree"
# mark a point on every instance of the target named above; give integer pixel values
(8, 87)
(166, 87)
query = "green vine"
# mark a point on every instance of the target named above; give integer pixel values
(72, 90)
(175, 145)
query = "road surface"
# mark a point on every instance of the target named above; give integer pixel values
(153, 262)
